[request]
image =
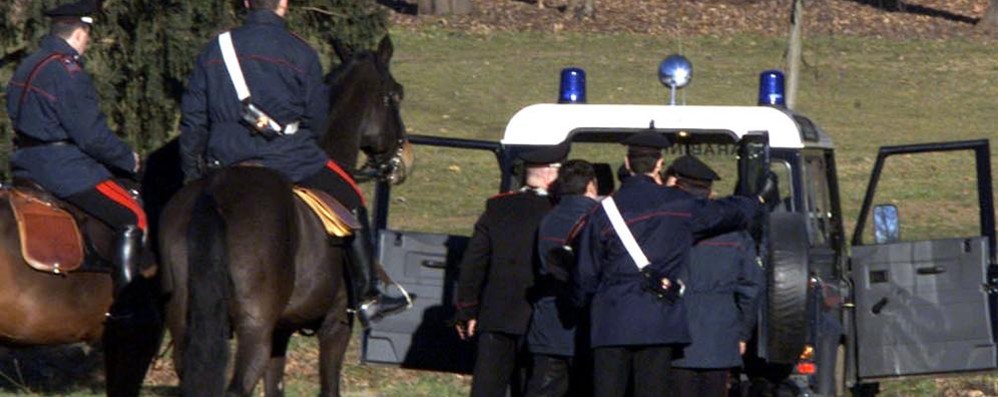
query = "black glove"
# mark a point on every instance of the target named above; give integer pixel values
(770, 190)
(653, 284)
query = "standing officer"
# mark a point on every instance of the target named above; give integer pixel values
(723, 284)
(551, 336)
(498, 269)
(289, 102)
(61, 138)
(630, 253)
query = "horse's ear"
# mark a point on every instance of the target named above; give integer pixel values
(385, 50)
(343, 51)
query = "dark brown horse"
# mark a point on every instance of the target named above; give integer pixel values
(242, 257)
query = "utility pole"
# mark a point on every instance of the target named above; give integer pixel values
(794, 49)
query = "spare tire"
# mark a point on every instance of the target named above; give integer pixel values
(787, 287)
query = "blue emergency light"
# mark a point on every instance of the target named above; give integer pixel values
(771, 88)
(675, 72)
(573, 86)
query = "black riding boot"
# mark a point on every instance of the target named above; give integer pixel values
(126, 255)
(372, 304)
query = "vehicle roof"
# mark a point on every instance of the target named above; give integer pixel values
(550, 124)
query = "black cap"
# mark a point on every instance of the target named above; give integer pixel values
(545, 154)
(648, 140)
(82, 9)
(692, 168)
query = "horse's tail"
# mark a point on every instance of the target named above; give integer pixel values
(206, 351)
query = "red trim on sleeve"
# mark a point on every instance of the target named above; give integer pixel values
(118, 194)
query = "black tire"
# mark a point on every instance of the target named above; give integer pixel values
(787, 287)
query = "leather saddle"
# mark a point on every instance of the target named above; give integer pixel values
(337, 220)
(55, 237)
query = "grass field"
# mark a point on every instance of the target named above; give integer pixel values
(864, 92)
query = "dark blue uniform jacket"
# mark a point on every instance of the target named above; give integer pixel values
(552, 324)
(723, 285)
(665, 222)
(285, 81)
(61, 105)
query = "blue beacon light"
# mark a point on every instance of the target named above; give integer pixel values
(771, 89)
(573, 86)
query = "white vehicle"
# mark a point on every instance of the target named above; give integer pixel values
(833, 319)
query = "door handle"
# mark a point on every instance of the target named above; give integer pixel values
(931, 270)
(877, 307)
(434, 263)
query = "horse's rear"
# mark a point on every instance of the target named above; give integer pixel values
(39, 308)
(263, 269)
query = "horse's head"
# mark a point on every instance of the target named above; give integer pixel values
(364, 114)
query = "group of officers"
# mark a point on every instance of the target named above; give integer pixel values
(650, 291)
(64, 145)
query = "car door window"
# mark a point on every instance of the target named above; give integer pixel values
(817, 199)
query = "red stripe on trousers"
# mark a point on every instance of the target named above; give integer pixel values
(118, 194)
(346, 177)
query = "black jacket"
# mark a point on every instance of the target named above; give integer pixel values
(723, 285)
(285, 81)
(498, 266)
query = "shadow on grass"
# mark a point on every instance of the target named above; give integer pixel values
(51, 370)
(900, 6)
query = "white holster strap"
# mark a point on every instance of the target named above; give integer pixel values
(624, 232)
(232, 65)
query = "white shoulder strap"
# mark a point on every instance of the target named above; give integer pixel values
(624, 233)
(232, 65)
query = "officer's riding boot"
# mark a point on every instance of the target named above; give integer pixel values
(372, 304)
(126, 255)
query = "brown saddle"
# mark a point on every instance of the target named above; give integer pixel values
(336, 219)
(54, 236)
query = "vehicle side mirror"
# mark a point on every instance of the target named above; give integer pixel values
(886, 224)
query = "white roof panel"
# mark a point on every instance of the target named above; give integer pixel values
(550, 124)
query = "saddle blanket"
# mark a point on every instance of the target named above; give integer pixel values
(50, 238)
(336, 219)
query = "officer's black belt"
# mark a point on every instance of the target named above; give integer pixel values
(22, 141)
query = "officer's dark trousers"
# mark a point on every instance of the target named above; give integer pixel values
(110, 202)
(550, 376)
(645, 368)
(500, 362)
(695, 382)
(334, 180)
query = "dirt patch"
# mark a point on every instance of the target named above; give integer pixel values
(925, 19)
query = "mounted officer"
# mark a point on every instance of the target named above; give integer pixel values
(276, 127)
(497, 271)
(551, 338)
(630, 253)
(62, 141)
(724, 281)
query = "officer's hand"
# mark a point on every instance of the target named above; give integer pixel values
(741, 347)
(769, 194)
(466, 330)
(138, 163)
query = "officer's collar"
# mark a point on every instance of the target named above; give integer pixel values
(58, 44)
(573, 199)
(639, 178)
(266, 17)
(536, 190)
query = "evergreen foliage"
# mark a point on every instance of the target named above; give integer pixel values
(143, 50)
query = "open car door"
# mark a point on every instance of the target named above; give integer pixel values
(426, 262)
(926, 306)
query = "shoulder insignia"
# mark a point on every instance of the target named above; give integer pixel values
(70, 64)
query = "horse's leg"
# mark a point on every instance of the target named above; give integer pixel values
(273, 380)
(131, 341)
(334, 336)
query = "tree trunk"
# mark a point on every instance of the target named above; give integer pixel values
(990, 19)
(584, 8)
(794, 49)
(445, 7)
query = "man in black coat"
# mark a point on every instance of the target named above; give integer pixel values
(498, 269)
(724, 281)
(551, 338)
(636, 317)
